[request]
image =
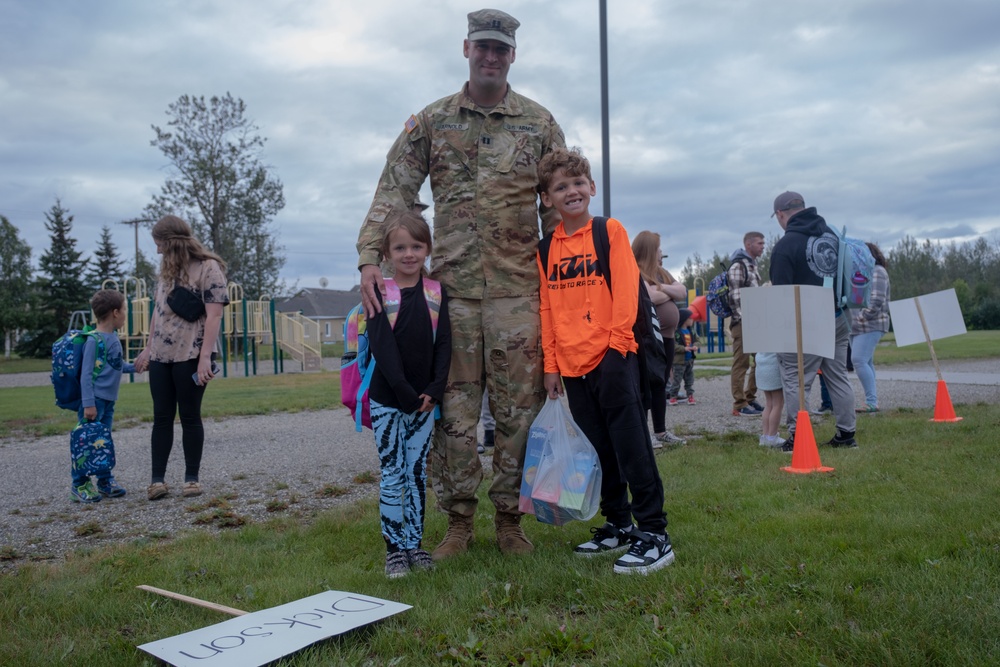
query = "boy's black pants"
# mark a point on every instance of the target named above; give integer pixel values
(606, 404)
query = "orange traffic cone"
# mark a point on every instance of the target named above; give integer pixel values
(805, 456)
(943, 410)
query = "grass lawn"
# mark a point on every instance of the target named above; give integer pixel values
(893, 558)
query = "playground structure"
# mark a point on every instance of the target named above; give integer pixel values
(246, 326)
(715, 340)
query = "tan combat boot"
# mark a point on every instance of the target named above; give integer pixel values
(510, 538)
(457, 538)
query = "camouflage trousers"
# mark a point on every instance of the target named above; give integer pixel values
(496, 345)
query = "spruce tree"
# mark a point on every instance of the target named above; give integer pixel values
(106, 263)
(60, 288)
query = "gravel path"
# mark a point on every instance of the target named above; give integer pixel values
(295, 463)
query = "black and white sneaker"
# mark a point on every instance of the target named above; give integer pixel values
(843, 439)
(648, 553)
(607, 539)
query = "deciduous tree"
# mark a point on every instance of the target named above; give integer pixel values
(15, 283)
(220, 185)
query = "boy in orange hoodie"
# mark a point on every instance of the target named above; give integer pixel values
(589, 346)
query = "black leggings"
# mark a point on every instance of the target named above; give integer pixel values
(659, 392)
(173, 390)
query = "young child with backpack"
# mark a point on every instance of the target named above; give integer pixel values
(685, 351)
(100, 377)
(589, 346)
(412, 359)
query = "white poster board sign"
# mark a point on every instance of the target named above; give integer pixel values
(769, 319)
(264, 636)
(941, 312)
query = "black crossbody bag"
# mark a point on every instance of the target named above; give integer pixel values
(187, 303)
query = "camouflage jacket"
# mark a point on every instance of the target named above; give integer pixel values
(483, 171)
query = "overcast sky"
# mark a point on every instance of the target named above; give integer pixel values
(885, 114)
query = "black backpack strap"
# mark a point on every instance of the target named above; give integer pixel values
(602, 246)
(543, 251)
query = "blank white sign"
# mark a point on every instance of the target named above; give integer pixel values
(769, 319)
(941, 311)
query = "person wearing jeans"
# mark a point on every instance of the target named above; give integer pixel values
(868, 327)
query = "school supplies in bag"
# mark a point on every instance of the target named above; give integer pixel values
(717, 294)
(91, 449)
(852, 286)
(357, 366)
(67, 357)
(565, 483)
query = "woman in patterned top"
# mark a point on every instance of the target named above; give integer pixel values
(180, 353)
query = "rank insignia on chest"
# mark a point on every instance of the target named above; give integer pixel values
(411, 124)
(486, 141)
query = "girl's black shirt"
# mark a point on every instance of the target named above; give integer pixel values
(409, 360)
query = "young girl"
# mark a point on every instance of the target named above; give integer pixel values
(412, 358)
(768, 376)
(98, 394)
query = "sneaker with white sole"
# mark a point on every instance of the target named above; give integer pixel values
(648, 553)
(397, 564)
(608, 538)
(109, 488)
(85, 493)
(420, 559)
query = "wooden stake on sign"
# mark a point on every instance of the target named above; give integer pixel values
(195, 601)
(927, 337)
(798, 349)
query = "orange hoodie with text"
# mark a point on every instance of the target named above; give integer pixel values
(581, 318)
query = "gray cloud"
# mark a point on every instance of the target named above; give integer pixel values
(883, 114)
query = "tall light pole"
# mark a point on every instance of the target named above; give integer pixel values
(605, 133)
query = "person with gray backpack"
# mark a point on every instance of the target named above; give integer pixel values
(809, 254)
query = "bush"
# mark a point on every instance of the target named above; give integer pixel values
(986, 315)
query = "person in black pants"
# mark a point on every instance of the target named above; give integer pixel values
(190, 296)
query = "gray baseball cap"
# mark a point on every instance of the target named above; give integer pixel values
(493, 24)
(787, 200)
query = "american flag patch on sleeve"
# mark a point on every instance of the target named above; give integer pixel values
(411, 124)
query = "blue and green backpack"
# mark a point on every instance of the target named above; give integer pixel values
(67, 359)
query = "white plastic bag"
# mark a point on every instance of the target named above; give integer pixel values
(567, 481)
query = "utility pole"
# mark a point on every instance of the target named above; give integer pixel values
(135, 223)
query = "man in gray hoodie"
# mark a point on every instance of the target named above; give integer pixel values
(743, 273)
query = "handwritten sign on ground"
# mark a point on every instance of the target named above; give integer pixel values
(942, 315)
(264, 636)
(769, 319)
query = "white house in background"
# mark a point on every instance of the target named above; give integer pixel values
(329, 307)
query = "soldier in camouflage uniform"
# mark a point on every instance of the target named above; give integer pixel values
(480, 148)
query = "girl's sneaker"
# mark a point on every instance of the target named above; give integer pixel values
(109, 488)
(85, 493)
(673, 400)
(420, 559)
(397, 564)
(771, 441)
(690, 399)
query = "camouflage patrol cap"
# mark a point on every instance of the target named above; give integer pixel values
(493, 24)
